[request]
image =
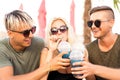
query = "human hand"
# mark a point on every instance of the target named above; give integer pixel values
(85, 55)
(54, 41)
(59, 63)
(86, 69)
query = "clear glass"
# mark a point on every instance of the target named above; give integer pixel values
(77, 55)
(64, 47)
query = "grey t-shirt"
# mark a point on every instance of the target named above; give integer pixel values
(22, 62)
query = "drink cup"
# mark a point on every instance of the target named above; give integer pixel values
(76, 55)
(64, 47)
(76, 60)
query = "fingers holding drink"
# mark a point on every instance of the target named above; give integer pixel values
(76, 56)
(59, 63)
(86, 69)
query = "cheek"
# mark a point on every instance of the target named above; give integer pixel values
(66, 37)
(105, 29)
(19, 38)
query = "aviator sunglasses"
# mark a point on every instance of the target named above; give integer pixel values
(55, 30)
(26, 33)
(97, 23)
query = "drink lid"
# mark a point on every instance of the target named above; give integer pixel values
(64, 46)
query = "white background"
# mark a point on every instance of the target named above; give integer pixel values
(55, 8)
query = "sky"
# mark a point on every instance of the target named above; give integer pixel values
(55, 8)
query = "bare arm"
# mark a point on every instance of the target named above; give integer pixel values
(6, 73)
(45, 57)
(108, 73)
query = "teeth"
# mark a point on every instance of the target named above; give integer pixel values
(94, 30)
(60, 38)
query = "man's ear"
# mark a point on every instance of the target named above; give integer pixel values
(10, 33)
(112, 22)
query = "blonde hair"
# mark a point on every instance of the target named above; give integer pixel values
(17, 19)
(71, 35)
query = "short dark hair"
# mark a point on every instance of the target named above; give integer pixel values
(102, 8)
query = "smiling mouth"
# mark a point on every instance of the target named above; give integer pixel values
(28, 40)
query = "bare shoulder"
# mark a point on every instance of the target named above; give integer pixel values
(6, 72)
(45, 49)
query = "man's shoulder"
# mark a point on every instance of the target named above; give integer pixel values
(37, 44)
(92, 43)
(38, 41)
(118, 35)
(4, 41)
(4, 45)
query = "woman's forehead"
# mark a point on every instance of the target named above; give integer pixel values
(58, 23)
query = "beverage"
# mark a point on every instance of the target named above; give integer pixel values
(76, 55)
(64, 47)
(74, 60)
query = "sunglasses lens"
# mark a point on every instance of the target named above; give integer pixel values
(33, 30)
(63, 29)
(97, 23)
(89, 23)
(54, 31)
(26, 33)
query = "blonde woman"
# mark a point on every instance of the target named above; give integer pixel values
(58, 30)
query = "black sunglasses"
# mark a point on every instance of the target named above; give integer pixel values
(26, 33)
(62, 29)
(97, 23)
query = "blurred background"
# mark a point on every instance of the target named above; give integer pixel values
(74, 11)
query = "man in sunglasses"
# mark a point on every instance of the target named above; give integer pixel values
(104, 52)
(20, 52)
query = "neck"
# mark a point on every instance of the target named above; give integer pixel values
(16, 47)
(106, 43)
